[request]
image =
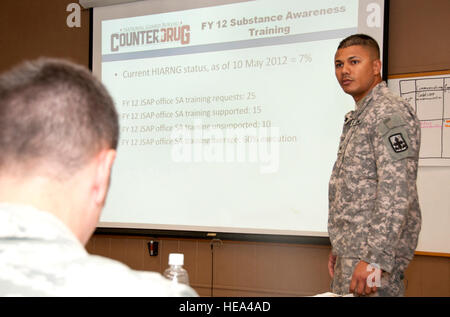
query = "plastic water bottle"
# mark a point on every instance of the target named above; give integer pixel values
(175, 272)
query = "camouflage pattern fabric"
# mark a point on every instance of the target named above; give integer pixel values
(374, 212)
(389, 284)
(39, 256)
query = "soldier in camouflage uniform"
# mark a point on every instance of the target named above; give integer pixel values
(374, 215)
(58, 140)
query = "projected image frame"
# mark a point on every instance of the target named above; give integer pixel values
(181, 229)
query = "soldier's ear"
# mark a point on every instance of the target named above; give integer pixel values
(105, 160)
(376, 65)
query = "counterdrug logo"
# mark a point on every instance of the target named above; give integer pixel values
(163, 35)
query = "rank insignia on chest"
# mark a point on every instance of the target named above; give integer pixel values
(398, 143)
(355, 122)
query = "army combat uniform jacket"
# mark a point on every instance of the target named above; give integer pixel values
(39, 256)
(374, 213)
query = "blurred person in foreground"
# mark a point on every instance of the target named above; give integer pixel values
(58, 139)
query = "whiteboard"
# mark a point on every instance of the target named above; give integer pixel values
(430, 98)
(426, 94)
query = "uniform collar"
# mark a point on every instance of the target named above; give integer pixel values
(364, 102)
(25, 222)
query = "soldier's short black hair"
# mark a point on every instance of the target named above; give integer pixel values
(53, 113)
(361, 39)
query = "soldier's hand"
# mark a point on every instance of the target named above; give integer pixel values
(331, 264)
(359, 284)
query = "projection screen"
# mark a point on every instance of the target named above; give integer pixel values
(230, 112)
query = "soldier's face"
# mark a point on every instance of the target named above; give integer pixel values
(357, 70)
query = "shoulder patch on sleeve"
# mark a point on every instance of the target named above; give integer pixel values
(398, 144)
(395, 138)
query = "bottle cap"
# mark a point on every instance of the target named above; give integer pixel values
(176, 259)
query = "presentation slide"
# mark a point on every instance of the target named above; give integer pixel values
(230, 115)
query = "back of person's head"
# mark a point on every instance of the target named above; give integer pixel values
(54, 117)
(362, 40)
